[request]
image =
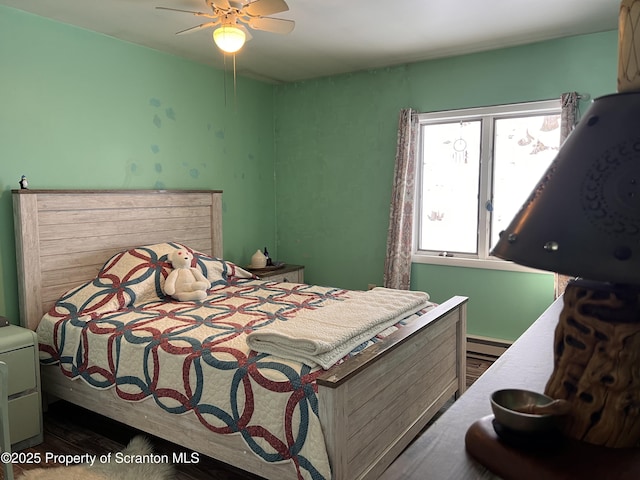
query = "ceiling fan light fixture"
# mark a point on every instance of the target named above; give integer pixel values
(229, 38)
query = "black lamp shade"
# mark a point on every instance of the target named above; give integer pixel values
(583, 217)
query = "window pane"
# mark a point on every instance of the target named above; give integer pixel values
(524, 148)
(451, 166)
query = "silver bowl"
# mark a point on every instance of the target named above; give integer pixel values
(505, 405)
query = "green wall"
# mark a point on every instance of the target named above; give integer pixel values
(501, 304)
(83, 110)
(336, 140)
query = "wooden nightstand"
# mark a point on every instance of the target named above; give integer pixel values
(288, 273)
(19, 350)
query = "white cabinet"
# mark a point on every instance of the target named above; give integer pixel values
(19, 350)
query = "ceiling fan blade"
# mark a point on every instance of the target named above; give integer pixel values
(221, 4)
(198, 27)
(178, 10)
(197, 14)
(246, 31)
(261, 8)
(273, 25)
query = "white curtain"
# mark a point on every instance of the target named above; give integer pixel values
(397, 265)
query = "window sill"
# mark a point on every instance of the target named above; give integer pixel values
(490, 264)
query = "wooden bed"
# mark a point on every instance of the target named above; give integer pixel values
(404, 379)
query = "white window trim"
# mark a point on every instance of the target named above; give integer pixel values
(492, 263)
(462, 260)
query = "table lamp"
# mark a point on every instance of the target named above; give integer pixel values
(583, 220)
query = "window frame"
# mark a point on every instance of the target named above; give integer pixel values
(487, 116)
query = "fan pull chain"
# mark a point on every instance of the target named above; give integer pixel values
(235, 99)
(224, 78)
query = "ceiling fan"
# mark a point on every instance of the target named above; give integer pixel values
(233, 17)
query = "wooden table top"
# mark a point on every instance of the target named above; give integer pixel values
(440, 452)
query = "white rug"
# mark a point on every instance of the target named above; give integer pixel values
(129, 464)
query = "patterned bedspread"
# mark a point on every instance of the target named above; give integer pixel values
(119, 331)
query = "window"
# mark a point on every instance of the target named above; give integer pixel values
(476, 167)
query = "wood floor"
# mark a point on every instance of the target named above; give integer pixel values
(72, 430)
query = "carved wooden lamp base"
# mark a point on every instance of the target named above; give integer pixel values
(597, 363)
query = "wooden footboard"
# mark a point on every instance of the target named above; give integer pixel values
(374, 405)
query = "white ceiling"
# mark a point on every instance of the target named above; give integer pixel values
(339, 36)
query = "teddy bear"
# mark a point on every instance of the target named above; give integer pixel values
(185, 283)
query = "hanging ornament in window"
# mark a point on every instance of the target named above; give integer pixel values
(460, 149)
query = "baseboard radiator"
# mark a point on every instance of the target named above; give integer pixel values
(485, 347)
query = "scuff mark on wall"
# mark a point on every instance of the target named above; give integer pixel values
(133, 171)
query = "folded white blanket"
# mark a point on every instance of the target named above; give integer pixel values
(325, 335)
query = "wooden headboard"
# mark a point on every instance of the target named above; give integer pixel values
(63, 237)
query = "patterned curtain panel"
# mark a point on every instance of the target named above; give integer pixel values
(397, 265)
(568, 121)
